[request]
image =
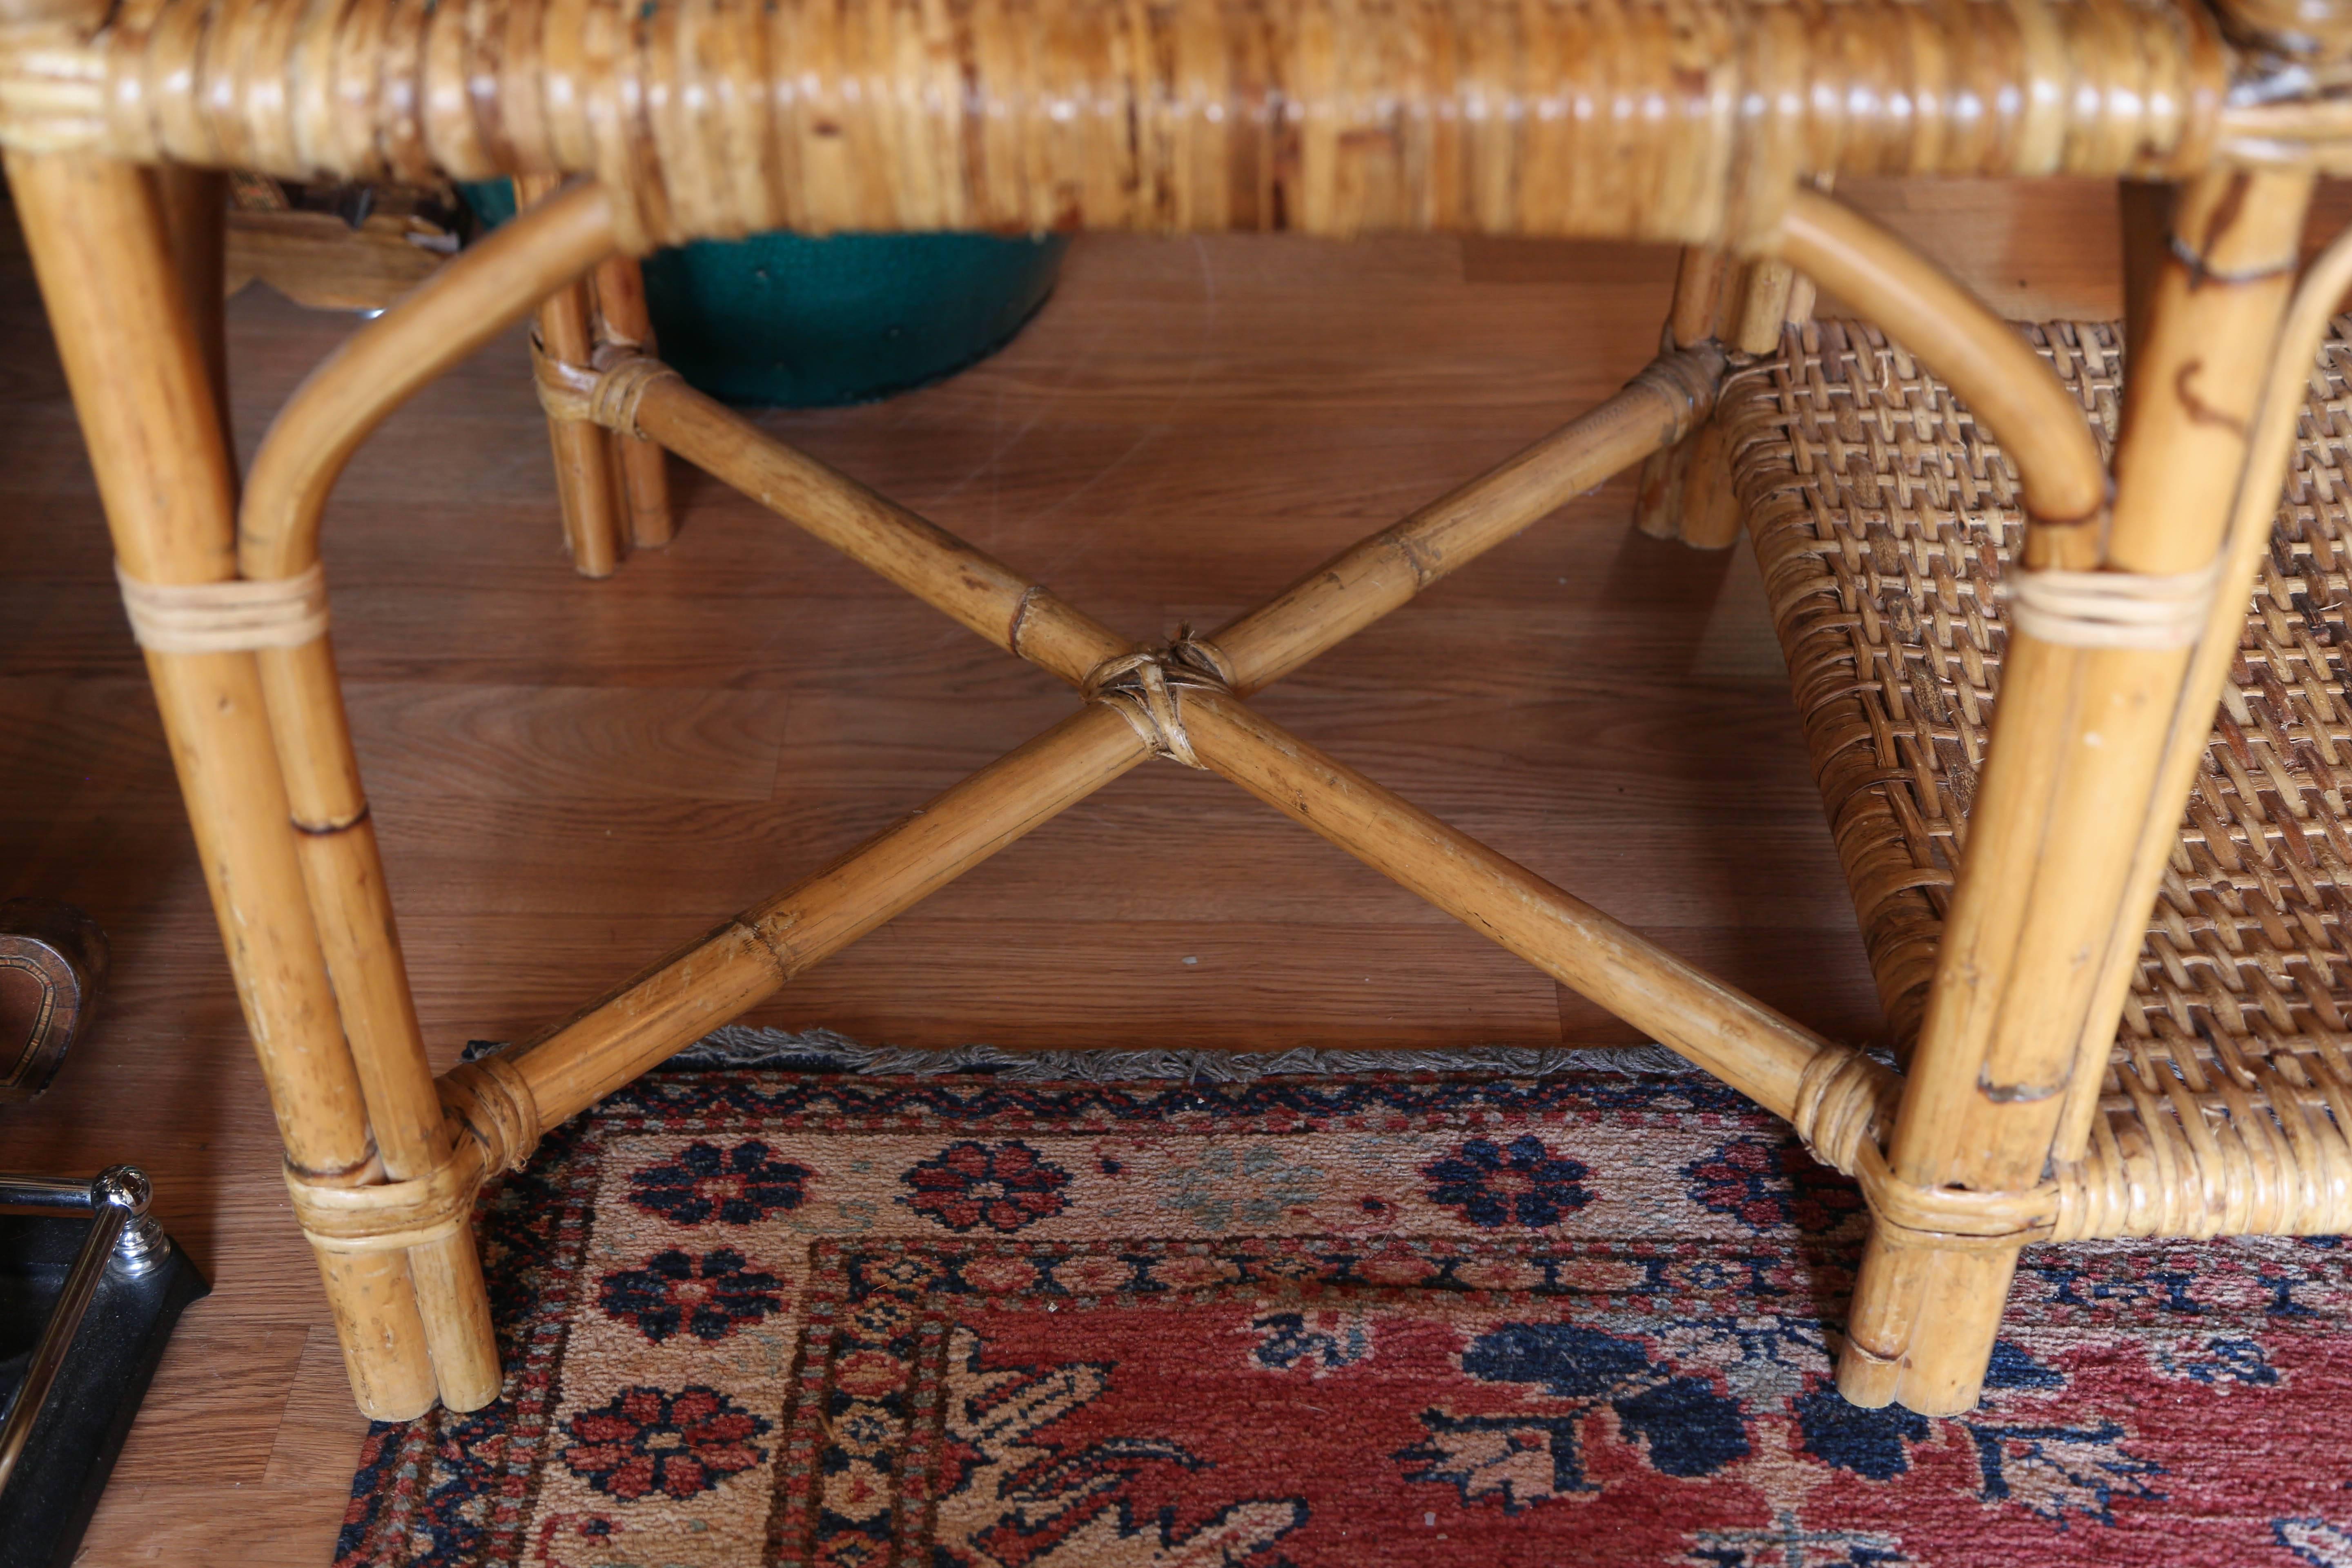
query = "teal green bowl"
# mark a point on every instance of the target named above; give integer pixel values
(783, 321)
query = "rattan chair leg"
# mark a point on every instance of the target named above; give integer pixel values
(344, 399)
(343, 871)
(585, 485)
(1701, 282)
(624, 326)
(1765, 306)
(2146, 209)
(1711, 514)
(141, 385)
(2057, 879)
(1686, 491)
(196, 218)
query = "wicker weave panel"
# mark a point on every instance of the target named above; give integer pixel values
(1883, 519)
(1673, 120)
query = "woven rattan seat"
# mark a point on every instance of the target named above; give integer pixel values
(1884, 520)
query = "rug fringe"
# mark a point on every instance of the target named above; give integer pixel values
(823, 1050)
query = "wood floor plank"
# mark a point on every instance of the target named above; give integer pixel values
(233, 1380)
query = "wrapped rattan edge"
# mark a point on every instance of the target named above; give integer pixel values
(1852, 756)
(1689, 122)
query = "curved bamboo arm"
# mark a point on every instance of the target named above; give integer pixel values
(454, 312)
(461, 308)
(2006, 384)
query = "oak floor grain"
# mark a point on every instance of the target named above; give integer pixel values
(570, 777)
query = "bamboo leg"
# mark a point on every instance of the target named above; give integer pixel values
(1686, 490)
(2146, 207)
(1700, 282)
(96, 232)
(585, 484)
(1712, 516)
(342, 870)
(195, 217)
(343, 875)
(1767, 289)
(2056, 883)
(624, 326)
(1697, 317)
(347, 397)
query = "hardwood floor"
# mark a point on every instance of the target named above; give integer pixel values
(570, 777)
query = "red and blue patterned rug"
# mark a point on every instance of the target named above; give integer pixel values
(771, 1317)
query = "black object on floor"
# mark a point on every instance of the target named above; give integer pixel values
(49, 1493)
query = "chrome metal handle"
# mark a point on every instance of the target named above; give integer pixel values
(121, 1237)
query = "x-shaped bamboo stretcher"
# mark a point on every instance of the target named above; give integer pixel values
(1184, 703)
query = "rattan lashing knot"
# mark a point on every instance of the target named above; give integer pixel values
(1146, 688)
(1846, 1103)
(2112, 609)
(1689, 379)
(566, 391)
(346, 1212)
(1964, 1218)
(493, 1102)
(606, 393)
(234, 617)
(620, 382)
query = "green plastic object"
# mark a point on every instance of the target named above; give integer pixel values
(784, 321)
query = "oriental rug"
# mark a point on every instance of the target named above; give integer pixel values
(990, 1319)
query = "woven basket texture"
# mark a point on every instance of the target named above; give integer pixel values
(1884, 518)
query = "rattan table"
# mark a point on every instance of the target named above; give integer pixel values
(1921, 535)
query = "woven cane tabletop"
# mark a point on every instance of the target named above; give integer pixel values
(1884, 518)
